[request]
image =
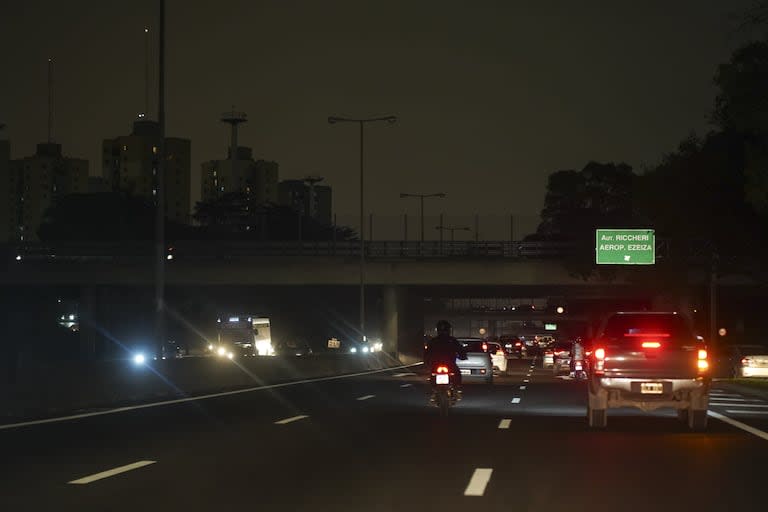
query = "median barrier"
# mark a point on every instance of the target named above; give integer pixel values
(46, 390)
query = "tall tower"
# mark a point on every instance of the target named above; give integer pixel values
(234, 118)
(50, 101)
(311, 181)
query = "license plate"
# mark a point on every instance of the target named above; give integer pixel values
(466, 372)
(441, 379)
(651, 388)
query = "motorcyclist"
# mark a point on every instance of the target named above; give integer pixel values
(445, 349)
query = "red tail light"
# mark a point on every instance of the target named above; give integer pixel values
(651, 344)
(647, 335)
(600, 354)
(518, 344)
(441, 369)
(746, 361)
(702, 363)
(600, 361)
(485, 347)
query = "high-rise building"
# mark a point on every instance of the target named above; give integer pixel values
(308, 198)
(7, 201)
(256, 178)
(129, 164)
(31, 185)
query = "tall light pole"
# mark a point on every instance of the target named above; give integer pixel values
(362, 123)
(160, 197)
(421, 197)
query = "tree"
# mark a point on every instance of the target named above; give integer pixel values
(578, 202)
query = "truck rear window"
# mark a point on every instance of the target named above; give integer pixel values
(628, 326)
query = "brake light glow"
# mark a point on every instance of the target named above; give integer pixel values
(702, 354)
(442, 369)
(600, 361)
(703, 364)
(600, 354)
(518, 344)
(651, 344)
(647, 335)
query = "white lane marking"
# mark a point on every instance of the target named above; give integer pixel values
(724, 399)
(195, 398)
(748, 413)
(407, 374)
(504, 424)
(738, 424)
(291, 419)
(526, 380)
(405, 385)
(743, 406)
(112, 472)
(516, 400)
(522, 388)
(366, 397)
(478, 482)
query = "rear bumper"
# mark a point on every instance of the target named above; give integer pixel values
(746, 371)
(612, 392)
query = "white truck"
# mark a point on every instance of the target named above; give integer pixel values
(243, 336)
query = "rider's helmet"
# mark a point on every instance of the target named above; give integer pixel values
(443, 327)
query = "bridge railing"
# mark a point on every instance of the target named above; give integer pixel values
(235, 250)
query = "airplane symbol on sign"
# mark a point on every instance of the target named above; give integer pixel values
(627, 257)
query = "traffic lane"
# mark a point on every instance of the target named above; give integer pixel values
(747, 409)
(340, 460)
(52, 452)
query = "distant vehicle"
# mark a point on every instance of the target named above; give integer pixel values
(498, 356)
(561, 357)
(525, 308)
(514, 346)
(547, 355)
(478, 364)
(648, 361)
(243, 336)
(747, 360)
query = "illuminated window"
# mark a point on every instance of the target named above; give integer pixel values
(125, 148)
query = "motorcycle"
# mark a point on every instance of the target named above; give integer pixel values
(444, 392)
(579, 369)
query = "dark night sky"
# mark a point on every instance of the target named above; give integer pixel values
(492, 95)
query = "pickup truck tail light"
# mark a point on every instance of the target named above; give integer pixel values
(651, 344)
(441, 369)
(599, 361)
(485, 347)
(746, 361)
(702, 362)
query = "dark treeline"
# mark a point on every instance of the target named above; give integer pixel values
(708, 199)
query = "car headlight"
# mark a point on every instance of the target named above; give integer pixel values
(365, 350)
(230, 355)
(210, 346)
(221, 351)
(139, 359)
(352, 350)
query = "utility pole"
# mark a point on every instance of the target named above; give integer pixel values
(713, 300)
(160, 199)
(50, 101)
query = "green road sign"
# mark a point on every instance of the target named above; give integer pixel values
(625, 247)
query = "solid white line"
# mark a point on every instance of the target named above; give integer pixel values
(516, 400)
(405, 385)
(738, 424)
(522, 388)
(408, 374)
(366, 397)
(478, 482)
(291, 419)
(503, 424)
(112, 472)
(755, 406)
(748, 413)
(724, 399)
(195, 398)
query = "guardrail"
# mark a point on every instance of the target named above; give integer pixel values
(235, 250)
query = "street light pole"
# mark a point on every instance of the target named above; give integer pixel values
(362, 123)
(421, 198)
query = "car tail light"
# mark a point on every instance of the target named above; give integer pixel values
(442, 369)
(702, 362)
(485, 347)
(647, 335)
(746, 361)
(600, 361)
(518, 344)
(651, 344)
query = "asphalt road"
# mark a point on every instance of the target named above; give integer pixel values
(374, 443)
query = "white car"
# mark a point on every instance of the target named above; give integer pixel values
(750, 360)
(498, 356)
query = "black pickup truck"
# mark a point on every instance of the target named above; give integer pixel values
(648, 360)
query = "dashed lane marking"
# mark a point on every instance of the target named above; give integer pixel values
(516, 400)
(407, 374)
(406, 385)
(478, 482)
(366, 397)
(112, 472)
(291, 419)
(504, 424)
(522, 388)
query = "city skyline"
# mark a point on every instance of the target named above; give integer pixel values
(475, 80)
